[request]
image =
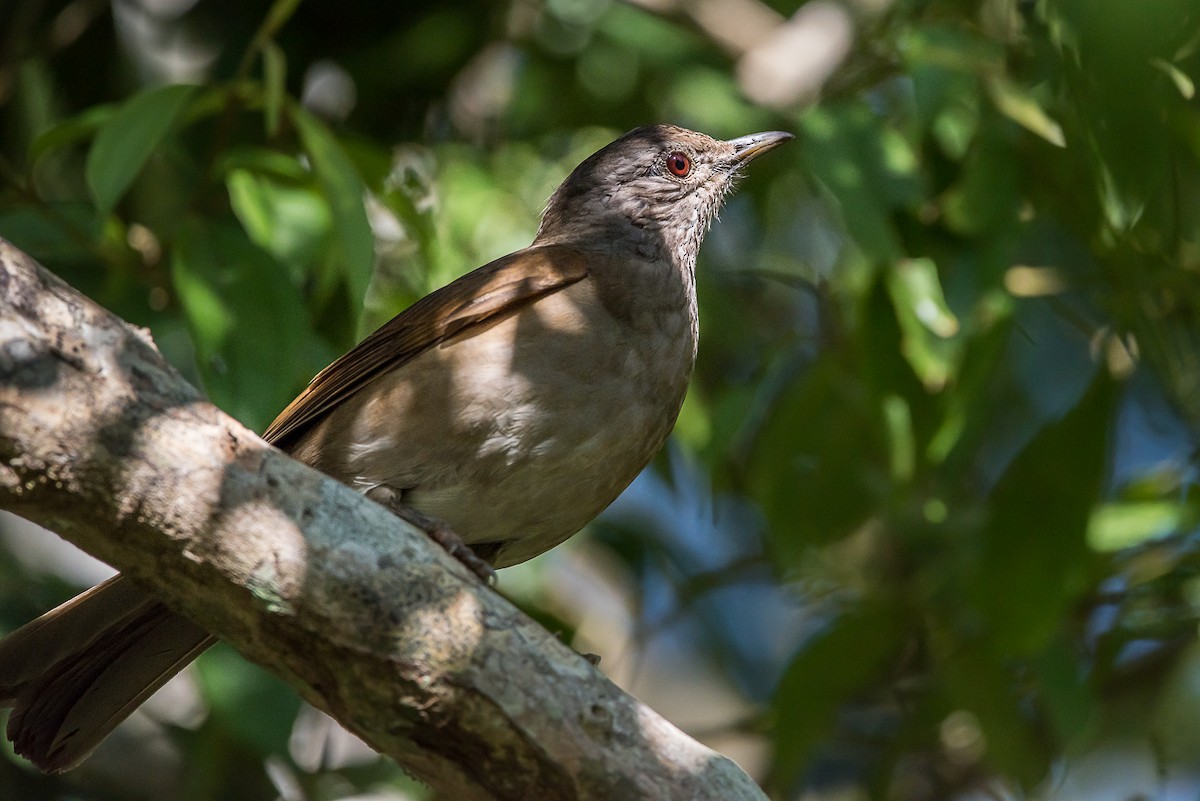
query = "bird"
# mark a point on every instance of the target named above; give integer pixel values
(500, 413)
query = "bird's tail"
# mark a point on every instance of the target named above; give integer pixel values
(77, 671)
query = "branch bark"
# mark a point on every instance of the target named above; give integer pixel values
(101, 441)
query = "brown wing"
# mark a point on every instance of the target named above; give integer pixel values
(491, 292)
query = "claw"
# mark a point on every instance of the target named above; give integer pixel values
(443, 535)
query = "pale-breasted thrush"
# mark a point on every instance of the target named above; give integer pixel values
(509, 408)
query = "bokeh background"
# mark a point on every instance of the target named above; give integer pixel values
(927, 527)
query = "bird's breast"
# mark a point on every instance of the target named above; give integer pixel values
(524, 429)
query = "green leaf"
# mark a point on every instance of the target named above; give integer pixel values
(281, 11)
(829, 669)
(898, 417)
(46, 231)
(1065, 691)
(244, 312)
(868, 168)
(1183, 83)
(345, 192)
(927, 324)
(281, 166)
(231, 685)
(69, 131)
(292, 222)
(1175, 724)
(128, 138)
(985, 201)
(943, 64)
(1115, 526)
(274, 85)
(818, 483)
(1034, 560)
(976, 682)
(1016, 103)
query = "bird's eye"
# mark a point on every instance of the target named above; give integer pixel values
(679, 164)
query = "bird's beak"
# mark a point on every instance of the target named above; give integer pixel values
(746, 148)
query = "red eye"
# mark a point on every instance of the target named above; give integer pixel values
(679, 164)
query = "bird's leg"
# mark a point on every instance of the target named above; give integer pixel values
(437, 530)
(445, 536)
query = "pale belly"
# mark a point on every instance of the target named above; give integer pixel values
(517, 435)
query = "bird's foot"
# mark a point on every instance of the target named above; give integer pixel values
(444, 536)
(439, 532)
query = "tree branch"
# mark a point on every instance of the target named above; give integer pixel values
(103, 442)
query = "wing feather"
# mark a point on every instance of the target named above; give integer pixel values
(489, 293)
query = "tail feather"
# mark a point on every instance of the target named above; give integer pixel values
(76, 672)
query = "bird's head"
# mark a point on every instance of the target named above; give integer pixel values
(657, 188)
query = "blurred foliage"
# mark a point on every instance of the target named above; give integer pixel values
(947, 405)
